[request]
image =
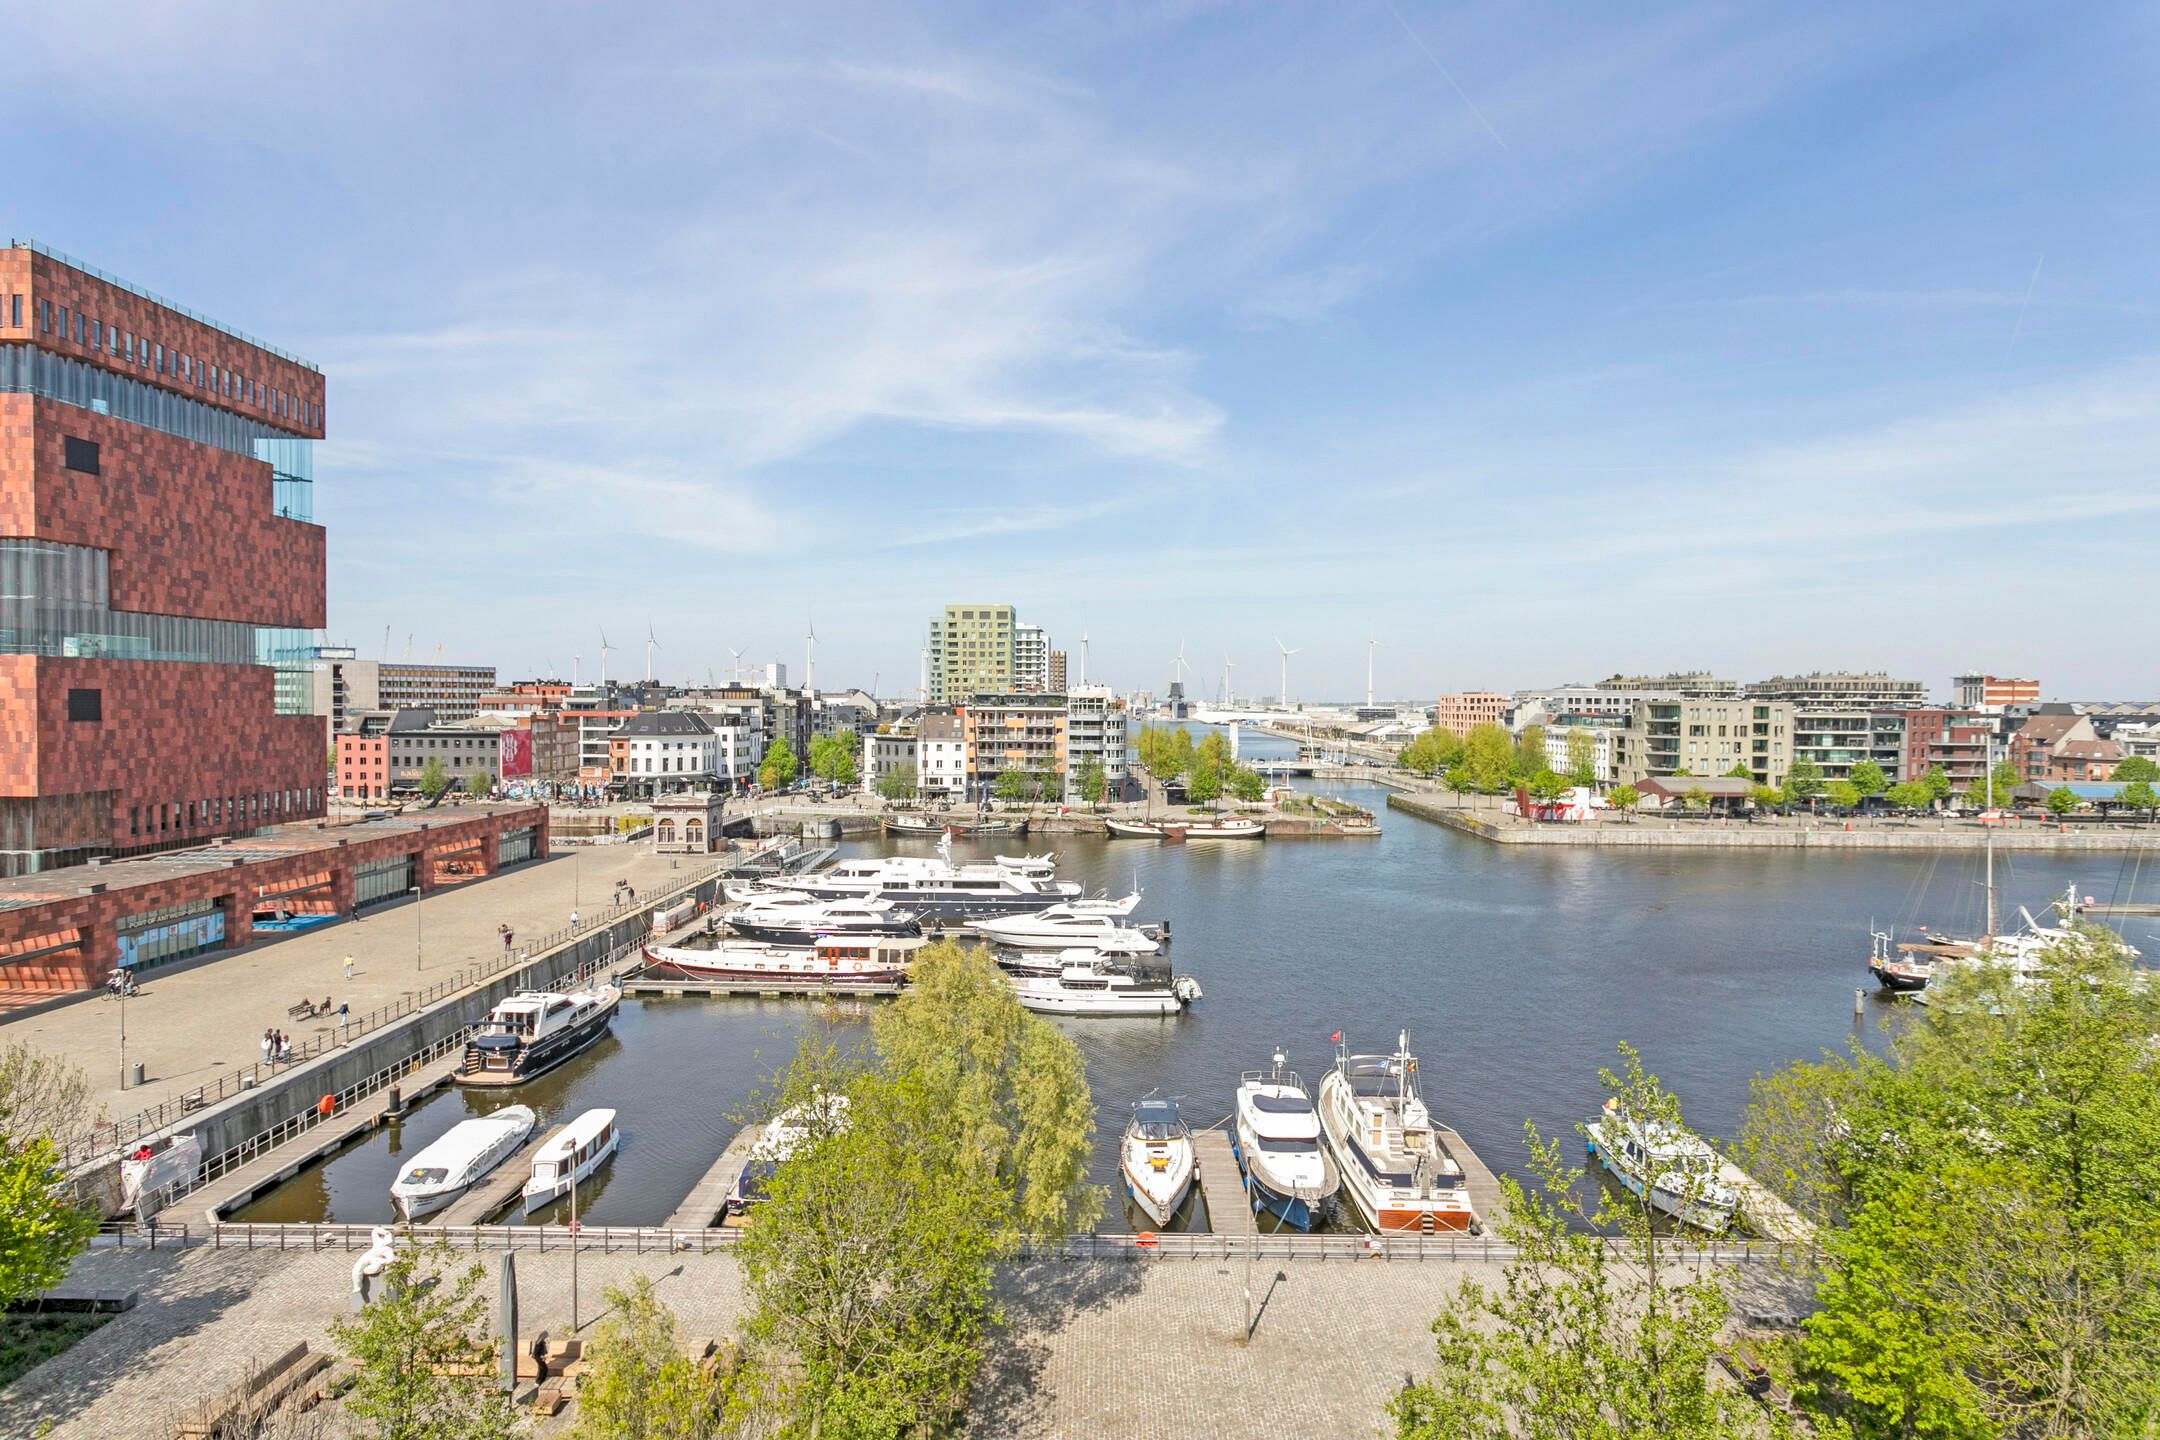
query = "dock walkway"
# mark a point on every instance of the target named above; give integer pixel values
(499, 1188)
(1483, 1185)
(1766, 1214)
(282, 1161)
(700, 1208)
(1229, 1213)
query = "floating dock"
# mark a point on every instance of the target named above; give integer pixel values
(1228, 1211)
(1763, 1212)
(272, 1168)
(652, 981)
(499, 1188)
(1483, 1185)
(701, 1208)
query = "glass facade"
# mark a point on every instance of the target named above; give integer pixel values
(517, 846)
(29, 370)
(56, 600)
(171, 933)
(382, 879)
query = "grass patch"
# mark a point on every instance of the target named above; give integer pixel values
(27, 1341)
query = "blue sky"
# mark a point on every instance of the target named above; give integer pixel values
(1536, 341)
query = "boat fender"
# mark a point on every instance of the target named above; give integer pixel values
(326, 1106)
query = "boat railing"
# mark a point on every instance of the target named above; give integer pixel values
(1352, 1247)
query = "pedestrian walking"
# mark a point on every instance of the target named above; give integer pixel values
(573, 919)
(341, 1013)
(348, 967)
(284, 1047)
(266, 1046)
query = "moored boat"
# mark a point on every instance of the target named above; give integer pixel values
(830, 959)
(931, 826)
(1156, 1160)
(1096, 989)
(533, 1031)
(940, 888)
(1276, 1142)
(1396, 1169)
(1062, 927)
(793, 922)
(1056, 962)
(782, 1136)
(571, 1157)
(1174, 830)
(1672, 1170)
(459, 1159)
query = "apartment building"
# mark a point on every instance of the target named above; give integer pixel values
(1705, 738)
(1842, 690)
(1836, 738)
(1020, 732)
(1687, 684)
(1095, 729)
(1031, 660)
(2057, 745)
(1600, 732)
(663, 752)
(971, 650)
(1975, 691)
(941, 763)
(385, 752)
(1958, 740)
(1468, 708)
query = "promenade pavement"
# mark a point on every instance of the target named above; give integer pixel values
(190, 1025)
(1141, 1350)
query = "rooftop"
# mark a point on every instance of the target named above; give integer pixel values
(156, 299)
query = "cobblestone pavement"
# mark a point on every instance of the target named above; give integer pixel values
(189, 1026)
(1136, 1350)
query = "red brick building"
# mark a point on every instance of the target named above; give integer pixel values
(1957, 740)
(161, 579)
(1460, 712)
(2058, 746)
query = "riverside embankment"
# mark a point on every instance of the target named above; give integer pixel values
(1490, 822)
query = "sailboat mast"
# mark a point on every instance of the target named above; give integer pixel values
(1988, 776)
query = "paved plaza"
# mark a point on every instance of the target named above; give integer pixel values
(190, 1025)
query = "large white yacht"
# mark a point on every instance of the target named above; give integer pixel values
(830, 959)
(466, 1152)
(533, 1031)
(1092, 957)
(571, 1157)
(1277, 1145)
(791, 921)
(939, 888)
(1156, 1160)
(1095, 988)
(1062, 927)
(1396, 1169)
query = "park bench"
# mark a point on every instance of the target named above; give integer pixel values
(308, 1009)
(241, 1410)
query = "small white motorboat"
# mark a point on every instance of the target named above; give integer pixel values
(1673, 1170)
(1056, 962)
(782, 1136)
(456, 1162)
(1155, 1159)
(571, 1157)
(1063, 927)
(1277, 1146)
(1093, 988)
(832, 960)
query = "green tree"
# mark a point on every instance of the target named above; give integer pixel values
(478, 784)
(897, 782)
(2003, 780)
(1549, 786)
(1206, 781)
(1867, 777)
(1937, 781)
(1740, 772)
(1433, 751)
(1804, 781)
(1993, 1263)
(1012, 786)
(422, 1362)
(1842, 793)
(44, 1102)
(844, 772)
(1910, 796)
(1488, 758)
(1581, 758)
(1092, 782)
(1530, 756)
(777, 770)
(1458, 778)
(1587, 1334)
(638, 1385)
(1683, 773)
(2141, 796)
(2138, 767)
(2061, 801)
(1247, 783)
(434, 780)
(1624, 798)
(1766, 797)
(1696, 799)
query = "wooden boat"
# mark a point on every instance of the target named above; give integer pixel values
(932, 826)
(1176, 830)
(831, 960)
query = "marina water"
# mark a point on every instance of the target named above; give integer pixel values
(1516, 971)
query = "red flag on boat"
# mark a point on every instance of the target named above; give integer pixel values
(1336, 1038)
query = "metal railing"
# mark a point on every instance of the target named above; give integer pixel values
(607, 1239)
(113, 1136)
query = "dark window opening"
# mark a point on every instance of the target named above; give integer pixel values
(86, 705)
(81, 455)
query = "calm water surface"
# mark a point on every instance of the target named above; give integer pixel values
(1516, 972)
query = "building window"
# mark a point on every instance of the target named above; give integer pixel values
(88, 705)
(80, 454)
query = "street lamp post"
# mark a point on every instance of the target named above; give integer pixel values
(419, 961)
(123, 1036)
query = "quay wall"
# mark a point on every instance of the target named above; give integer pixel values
(1649, 832)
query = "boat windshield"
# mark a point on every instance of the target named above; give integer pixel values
(1157, 1119)
(426, 1175)
(1286, 1147)
(1282, 1104)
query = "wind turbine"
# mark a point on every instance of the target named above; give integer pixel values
(1178, 665)
(604, 648)
(651, 645)
(1228, 697)
(1083, 657)
(809, 679)
(1369, 646)
(738, 663)
(1286, 654)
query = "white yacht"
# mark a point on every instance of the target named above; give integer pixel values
(941, 889)
(1156, 1160)
(533, 1031)
(1673, 1170)
(453, 1164)
(1097, 989)
(1396, 1168)
(1092, 957)
(1277, 1145)
(1062, 927)
(830, 959)
(571, 1157)
(800, 919)
(782, 1136)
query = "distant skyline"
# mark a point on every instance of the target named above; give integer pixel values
(1540, 343)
